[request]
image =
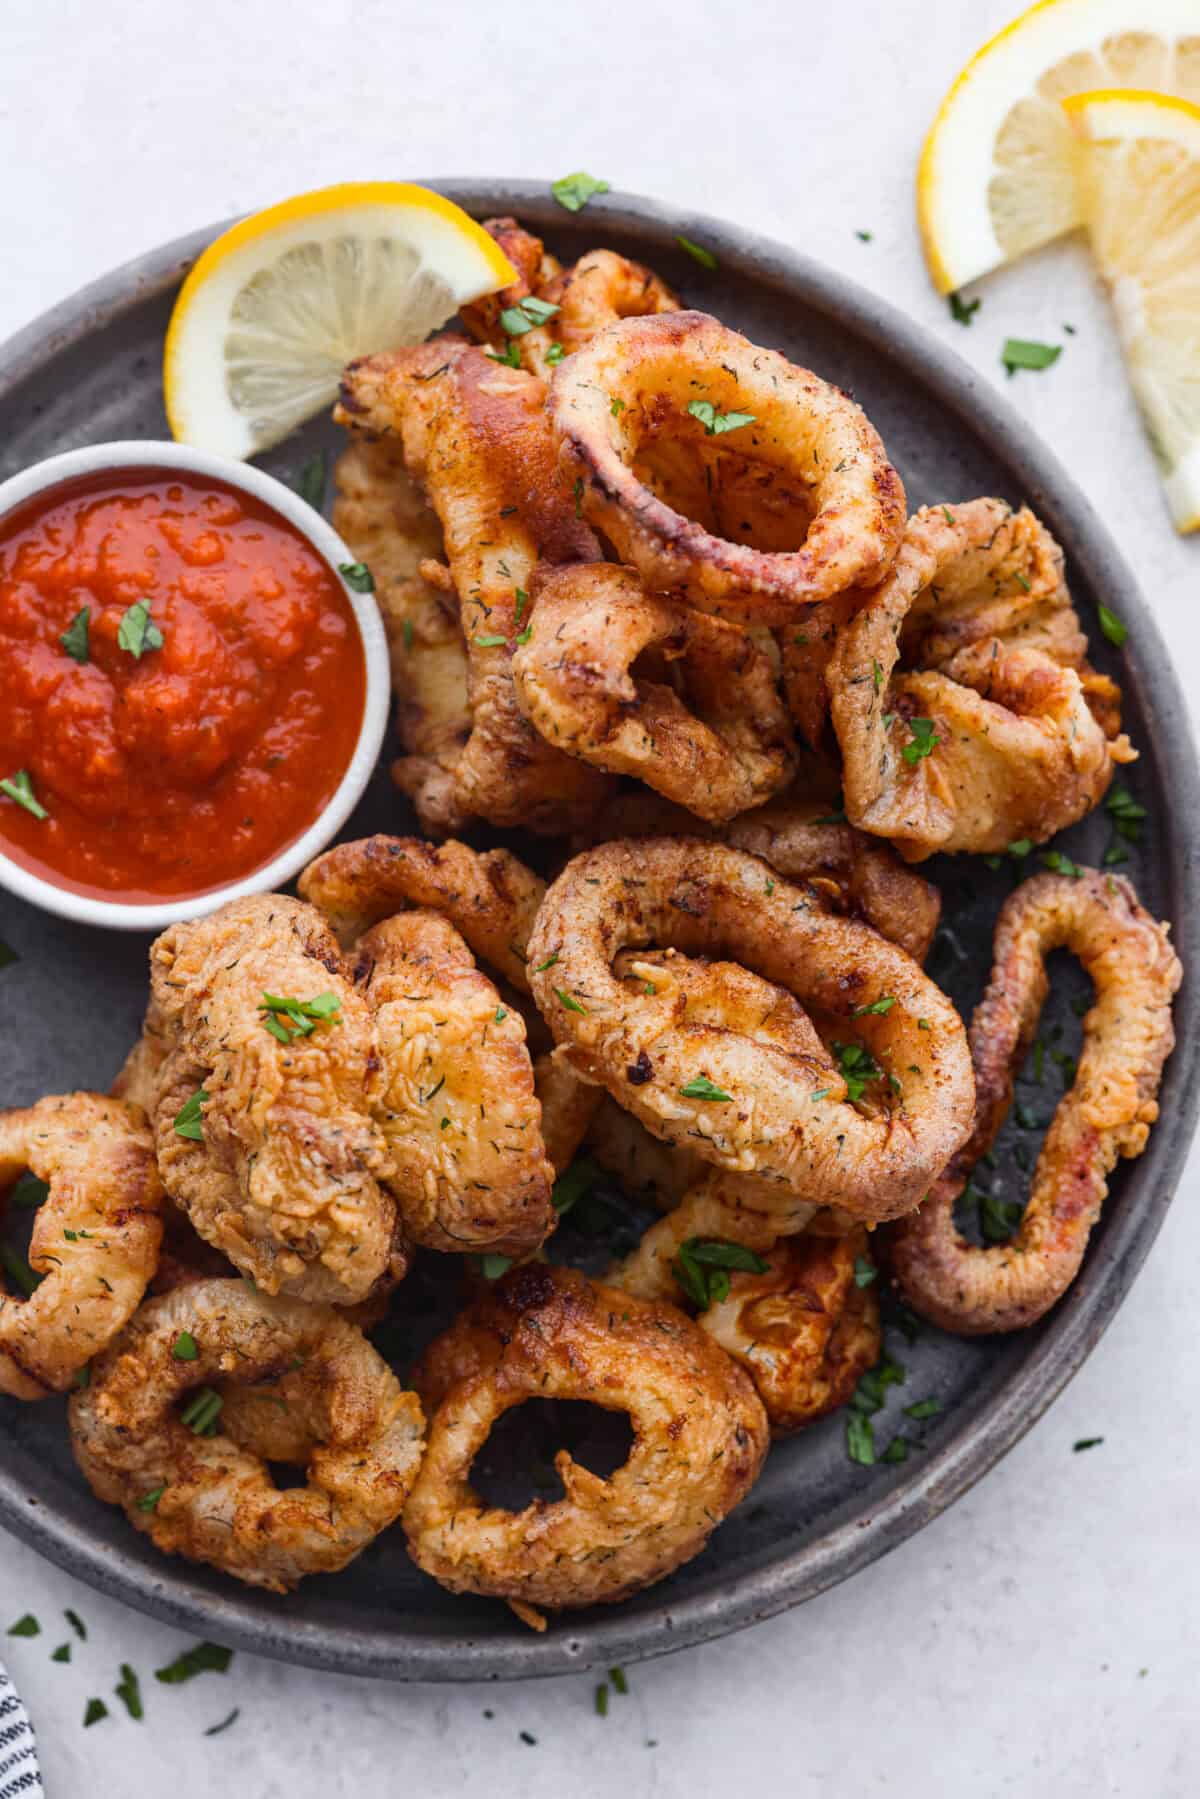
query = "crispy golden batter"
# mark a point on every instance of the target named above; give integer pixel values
(617, 399)
(804, 1331)
(699, 1441)
(972, 635)
(534, 267)
(621, 1144)
(848, 870)
(475, 436)
(568, 1107)
(746, 1099)
(139, 1074)
(1127, 1037)
(286, 1179)
(702, 721)
(384, 518)
(453, 1091)
(489, 896)
(95, 1237)
(215, 1502)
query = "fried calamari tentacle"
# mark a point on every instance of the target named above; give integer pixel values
(193, 1491)
(286, 1176)
(476, 437)
(548, 1333)
(744, 1102)
(453, 1092)
(987, 737)
(1127, 1037)
(848, 870)
(95, 1238)
(702, 722)
(804, 1330)
(382, 515)
(534, 266)
(489, 896)
(687, 378)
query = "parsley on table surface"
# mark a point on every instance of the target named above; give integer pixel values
(94, 1711)
(1086, 1443)
(202, 1658)
(962, 311)
(25, 1626)
(215, 1730)
(1025, 353)
(128, 1690)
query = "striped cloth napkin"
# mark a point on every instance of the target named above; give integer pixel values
(19, 1775)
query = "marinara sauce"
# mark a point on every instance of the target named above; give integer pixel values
(198, 718)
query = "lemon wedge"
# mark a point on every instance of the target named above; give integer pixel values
(275, 308)
(1139, 187)
(997, 175)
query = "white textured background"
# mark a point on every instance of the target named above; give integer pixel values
(1044, 1637)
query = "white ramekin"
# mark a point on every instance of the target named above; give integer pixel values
(115, 458)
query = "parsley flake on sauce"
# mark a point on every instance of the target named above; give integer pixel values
(74, 639)
(574, 191)
(137, 632)
(19, 787)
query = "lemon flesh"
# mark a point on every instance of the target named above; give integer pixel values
(997, 176)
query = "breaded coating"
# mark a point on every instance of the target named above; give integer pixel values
(95, 1238)
(286, 1179)
(179, 1478)
(700, 1436)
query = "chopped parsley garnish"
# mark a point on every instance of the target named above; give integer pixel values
(491, 641)
(311, 485)
(948, 515)
(205, 1658)
(548, 963)
(620, 1683)
(962, 311)
(877, 1008)
(1023, 353)
(26, 1626)
(406, 631)
(602, 1700)
(573, 1184)
(526, 315)
(555, 354)
(527, 1736)
(28, 1194)
(864, 237)
(697, 252)
(896, 1451)
(860, 1439)
(574, 191)
(714, 422)
(149, 1501)
(18, 1270)
(128, 1690)
(510, 356)
(302, 1015)
(924, 1408)
(74, 639)
(616, 406)
(8, 954)
(922, 740)
(500, 1015)
(1059, 864)
(358, 576)
(522, 599)
(184, 1347)
(137, 631)
(577, 491)
(492, 1266)
(189, 1121)
(702, 1268)
(858, 1066)
(1087, 1443)
(1020, 848)
(77, 1624)
(568, 1001)
(202, 1411)
(19, 787)
(93, 1712)
(1111, 625)
(214, 1730)
(62, 1653)
(700, 1087)
(870, 1395)
(864, 1272)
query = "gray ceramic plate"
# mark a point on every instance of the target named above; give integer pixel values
(90, 370)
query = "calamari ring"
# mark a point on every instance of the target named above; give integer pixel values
(850, 871)
(700, 1436)
(1107, 1113)
(636, 381)
(287, 1177)
(490, 897)
(217, 1503)
(998, 741)
(95, 1238)
(452, 1089)
(747, 1105)
(721, 746)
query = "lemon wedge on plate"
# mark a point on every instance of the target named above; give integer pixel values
(997, 175)
(275, 308)
(1139, 187)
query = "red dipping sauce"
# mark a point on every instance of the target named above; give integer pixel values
(196, 762)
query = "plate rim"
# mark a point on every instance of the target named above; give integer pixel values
(598, 1638)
